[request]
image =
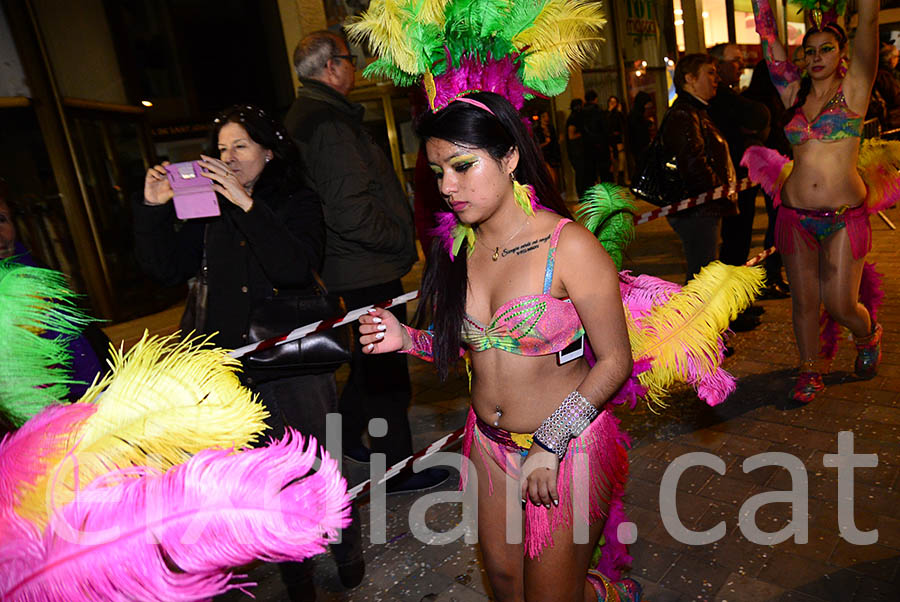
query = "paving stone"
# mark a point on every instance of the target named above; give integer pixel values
(740, 588)
(696, 578)
(651, 560)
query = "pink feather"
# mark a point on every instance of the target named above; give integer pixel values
(175, 536)
(615, 557)
(22, 452)
(641, 293)
(870, 295)
(490, 75)
(446, 222)
(764, 166)
(632, 389)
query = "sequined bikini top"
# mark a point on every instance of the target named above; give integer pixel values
(530, 324)
(834, 122)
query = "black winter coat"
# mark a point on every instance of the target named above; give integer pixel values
(276, 244)
(371, 237)
(700, 152)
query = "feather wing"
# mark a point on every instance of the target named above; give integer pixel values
(163, 401)
(606, 210)
(879, 162)
(182, 531)
(38, 318)
(682, 336)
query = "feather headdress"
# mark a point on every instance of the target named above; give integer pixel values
(516, 48)
(38, 317)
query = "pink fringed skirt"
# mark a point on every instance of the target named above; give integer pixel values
(599, 455)
(810, 227)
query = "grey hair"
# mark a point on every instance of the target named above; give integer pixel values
(313, 52)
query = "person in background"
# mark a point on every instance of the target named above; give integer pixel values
(887, 86)
(575, 146)
(370, 243)
(270, 235)
(762, 90)
(823, 227)
(91, 348)
(617, 127)
(598, 154)
(743, 122)
(547, 141)
(701, 154)
(641, 127)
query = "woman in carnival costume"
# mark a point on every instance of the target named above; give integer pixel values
(828, 191)
(512, 280)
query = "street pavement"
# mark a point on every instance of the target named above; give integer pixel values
(757, 418)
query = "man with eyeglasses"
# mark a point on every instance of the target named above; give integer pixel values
(369, 244)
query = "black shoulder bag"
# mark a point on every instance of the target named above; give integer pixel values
(658, 181)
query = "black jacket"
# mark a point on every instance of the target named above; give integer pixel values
(276, 244)
(370, 224)
(700, 151)
(742, 121)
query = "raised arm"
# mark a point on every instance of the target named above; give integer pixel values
(784, 74)
(864, 61)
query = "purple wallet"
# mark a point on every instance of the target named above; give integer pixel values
(194, 194)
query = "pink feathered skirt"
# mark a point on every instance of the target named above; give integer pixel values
(598, 455)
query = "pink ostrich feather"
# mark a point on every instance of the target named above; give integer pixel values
(632, 389)
(765, 166)
(614, 558)
(871, 295)
(491, 75)
(175, 536)
(641, 293)
(446, 222)
(23, 452)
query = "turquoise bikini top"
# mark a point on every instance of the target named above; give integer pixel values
(530, 324)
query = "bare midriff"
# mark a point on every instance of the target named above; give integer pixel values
(527, 389)
(824, 175)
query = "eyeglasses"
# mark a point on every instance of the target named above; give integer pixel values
(350, 58)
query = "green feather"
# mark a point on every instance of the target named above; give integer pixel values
(606, 210)
(35, 370)
(823, 5)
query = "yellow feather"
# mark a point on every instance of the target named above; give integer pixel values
(564, 33)
(383, 26)
(689, 324)
(164, 401)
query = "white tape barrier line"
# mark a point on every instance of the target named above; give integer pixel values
(299, 333)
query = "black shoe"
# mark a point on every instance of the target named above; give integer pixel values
(729, 351)
(419, 481)
(298, 580)
(778, 289)
(745, 322)
(351, 573)
(755, 310)
(360, 454)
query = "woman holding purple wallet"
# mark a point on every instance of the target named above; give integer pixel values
(270, 234)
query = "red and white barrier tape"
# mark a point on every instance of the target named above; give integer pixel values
(715, 193)
(302, 331)
(444, 442)
(762, 255)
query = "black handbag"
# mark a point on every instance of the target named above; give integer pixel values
(658, 181)
(316, 353)
(194, 317)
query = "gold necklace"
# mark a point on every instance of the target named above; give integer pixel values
(496, 253)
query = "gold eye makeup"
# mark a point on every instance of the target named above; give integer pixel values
(463, 162)
(436, 170)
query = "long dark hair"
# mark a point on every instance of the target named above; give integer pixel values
(445, 281)
(806, 82)
(286, 164)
